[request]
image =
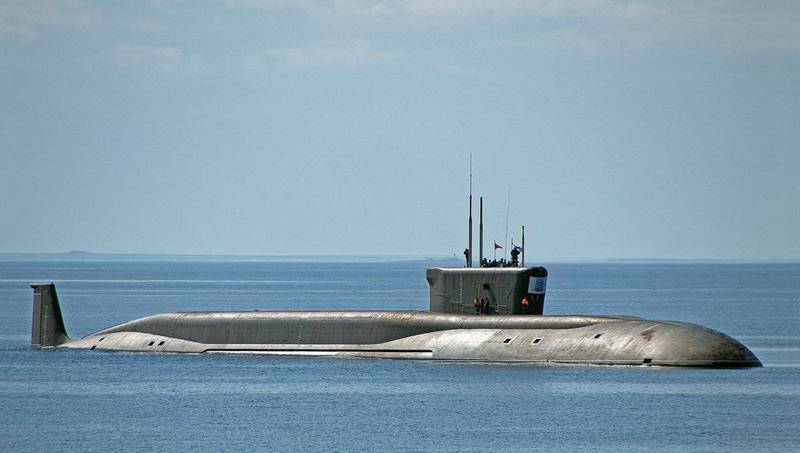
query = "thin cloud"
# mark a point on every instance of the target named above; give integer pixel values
(354, 53)
(589, 25)
(170, 59)
(326, 53)
(405, 11)
(8, 27)
(27, 18)
(460, 70)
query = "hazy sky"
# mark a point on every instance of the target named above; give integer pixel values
(621, 128)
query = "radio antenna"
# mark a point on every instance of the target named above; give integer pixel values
(508, 209)
(480, 235)
(469, 248)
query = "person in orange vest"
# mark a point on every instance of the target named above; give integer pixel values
(477, 303)
(525, 304)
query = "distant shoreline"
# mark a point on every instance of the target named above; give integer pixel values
(145, 257)
(81, 256)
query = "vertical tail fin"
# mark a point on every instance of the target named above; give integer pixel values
(48, 325)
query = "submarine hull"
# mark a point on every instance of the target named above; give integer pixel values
(606, 340)
(424, 335)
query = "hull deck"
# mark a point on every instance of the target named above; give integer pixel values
(423, 336)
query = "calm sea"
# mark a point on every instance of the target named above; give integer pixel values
(90, 401)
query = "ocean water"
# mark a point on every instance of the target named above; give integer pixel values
(102, 401)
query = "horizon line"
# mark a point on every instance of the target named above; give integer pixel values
(123, 256)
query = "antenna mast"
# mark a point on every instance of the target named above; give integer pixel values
(469, 248)
(508, 208)
(523, 245)
(480, 236)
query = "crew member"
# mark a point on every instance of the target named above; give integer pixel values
(485, 305)
(477, 304)
(526, 305)
(466, 256)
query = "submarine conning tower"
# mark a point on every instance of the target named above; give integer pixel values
(488, 291)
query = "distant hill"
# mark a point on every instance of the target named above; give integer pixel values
(80, 255)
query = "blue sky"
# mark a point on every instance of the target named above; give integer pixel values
(621, 129)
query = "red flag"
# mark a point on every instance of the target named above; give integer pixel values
(497, 246)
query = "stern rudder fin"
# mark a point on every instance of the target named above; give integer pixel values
(48, 328)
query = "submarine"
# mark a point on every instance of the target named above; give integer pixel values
(506, 326)
(490, 313)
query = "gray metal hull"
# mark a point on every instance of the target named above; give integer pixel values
(425, 335)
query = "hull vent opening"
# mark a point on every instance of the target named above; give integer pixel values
(598, 335)
(151, 343)
(647, 361)
(536, 341)
(507, 340)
